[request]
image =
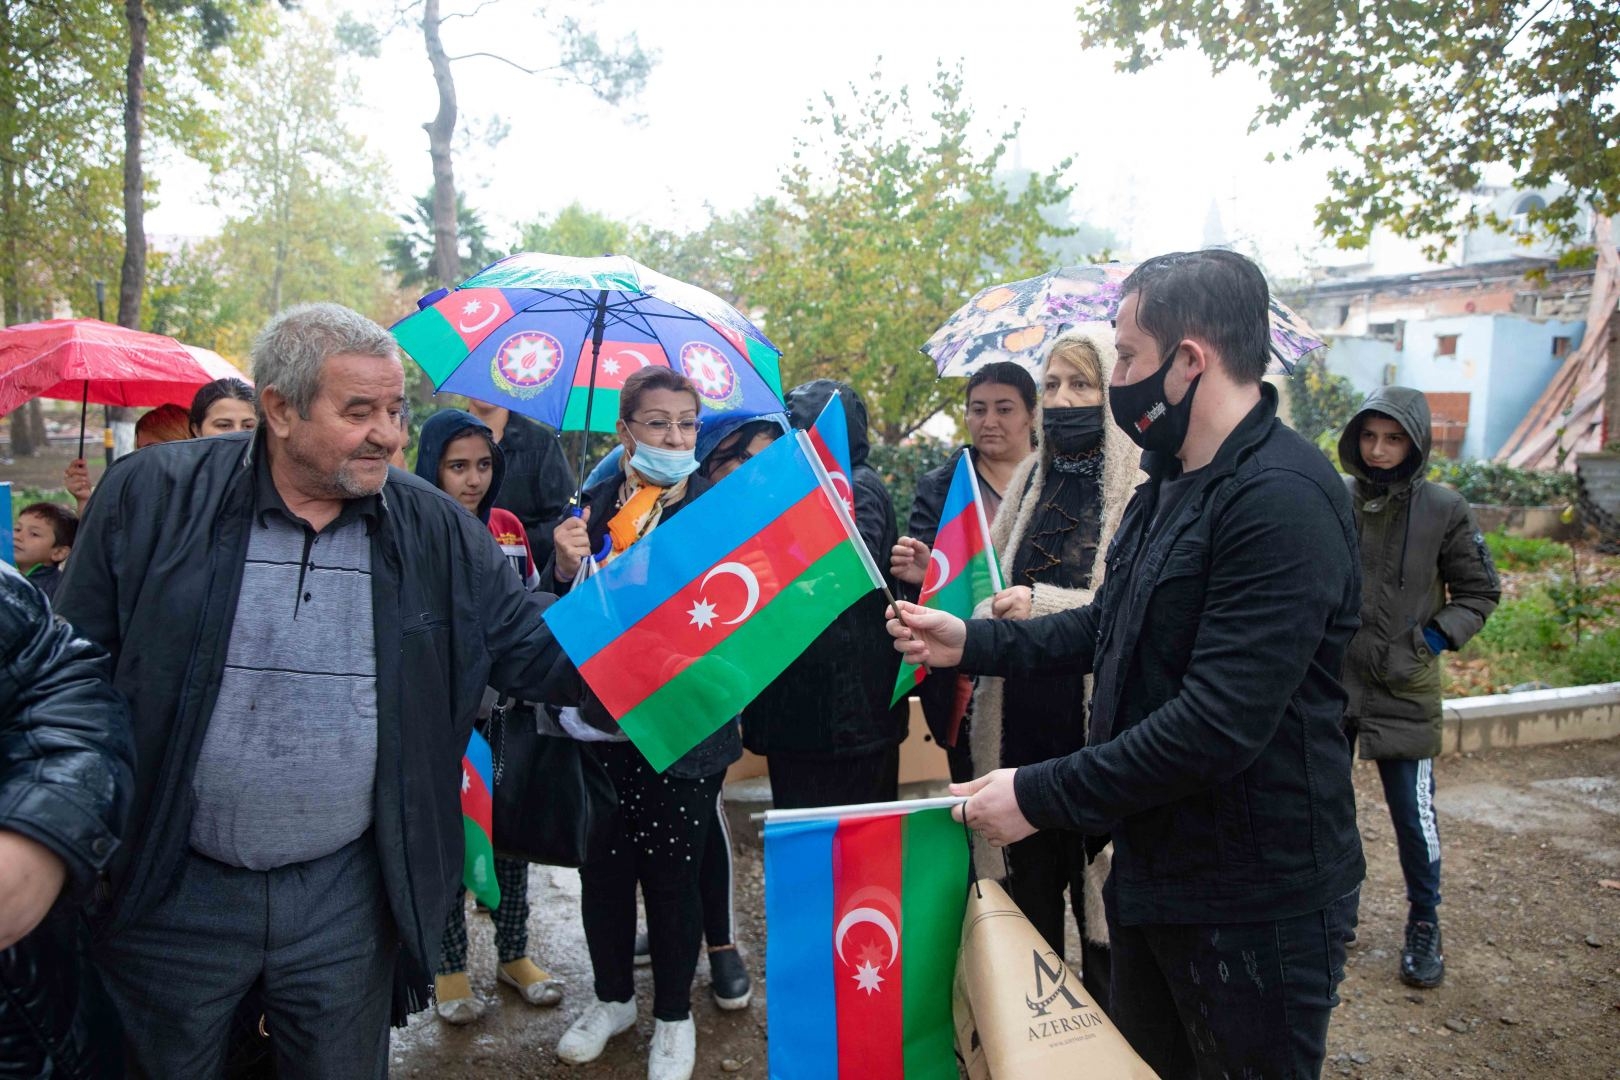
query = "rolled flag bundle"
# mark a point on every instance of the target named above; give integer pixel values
(478, 822)
(962, 569)
(863, 907)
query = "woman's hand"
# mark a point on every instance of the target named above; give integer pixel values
(77, 481)
(1015, 603)
(908, 561)
(572, 539)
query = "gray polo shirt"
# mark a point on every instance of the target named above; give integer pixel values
(288, 763)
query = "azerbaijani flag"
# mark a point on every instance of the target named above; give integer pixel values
(679, 632)
(863, 918)
(962, 570)
(478, 822)
(829, 436)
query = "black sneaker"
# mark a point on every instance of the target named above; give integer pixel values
(728, 979)
(1422, 963)
(643, 950)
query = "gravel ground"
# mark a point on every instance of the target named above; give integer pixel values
(1532, 936)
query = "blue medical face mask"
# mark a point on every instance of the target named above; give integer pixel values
(661, 467)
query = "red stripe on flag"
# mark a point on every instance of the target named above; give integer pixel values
(617, 361)
(835, 469)
(476, 801)
(958, 541)
(866, 948)
(697, 618)
(474, 314)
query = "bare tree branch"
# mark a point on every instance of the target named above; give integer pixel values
(510, 63)
(468, 14)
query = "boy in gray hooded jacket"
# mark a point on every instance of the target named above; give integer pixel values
(1427, 586)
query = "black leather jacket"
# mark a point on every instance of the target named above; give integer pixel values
(154, 578)
(65, 780)
(1217, 757)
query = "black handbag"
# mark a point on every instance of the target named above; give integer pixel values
(554, 802)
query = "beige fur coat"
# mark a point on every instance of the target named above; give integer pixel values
(1119, 480)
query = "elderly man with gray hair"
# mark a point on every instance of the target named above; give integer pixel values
(304, 636)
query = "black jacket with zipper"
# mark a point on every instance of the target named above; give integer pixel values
(154, 580)
(1215, 756)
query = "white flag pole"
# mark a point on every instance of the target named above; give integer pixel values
(818, 813)
(984, 523)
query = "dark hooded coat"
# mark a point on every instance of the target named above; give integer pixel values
(442, 429)
(1423, 563)
(834, 699)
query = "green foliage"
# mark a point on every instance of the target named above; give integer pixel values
(889, 219)
(574, 230)
(1516, 553)
(903, 465)
(1320, 402)
(1418, 99)
(1503, 485)
(410, 250)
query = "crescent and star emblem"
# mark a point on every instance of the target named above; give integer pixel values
(840, 484)
(867, 915)
(471, 308)
(939, 572)
(639, 356)
(703, 611)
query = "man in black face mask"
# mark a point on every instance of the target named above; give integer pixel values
(1215, 758)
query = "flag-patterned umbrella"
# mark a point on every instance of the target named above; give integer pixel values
(1018, 321)
(554, 337)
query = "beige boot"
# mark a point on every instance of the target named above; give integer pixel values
(454, 999)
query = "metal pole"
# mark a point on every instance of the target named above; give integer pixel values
(598, 328)
(106, 413)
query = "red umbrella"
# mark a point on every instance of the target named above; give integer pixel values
(88, 360)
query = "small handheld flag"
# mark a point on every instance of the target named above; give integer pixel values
(829, 435)
(864, 914)
(962, 570)
(689, 624)
(478, 822)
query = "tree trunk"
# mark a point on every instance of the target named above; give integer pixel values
(22, 435)
(446, 259)
(132, 282)
(36, 423)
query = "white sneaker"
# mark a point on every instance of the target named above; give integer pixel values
(673, 1051)
(601, 1020)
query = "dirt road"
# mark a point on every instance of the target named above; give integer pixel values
(1532, 944)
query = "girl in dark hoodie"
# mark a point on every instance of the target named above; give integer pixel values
(459, 455)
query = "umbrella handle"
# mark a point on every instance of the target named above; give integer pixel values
(84, 409)
(607, 538)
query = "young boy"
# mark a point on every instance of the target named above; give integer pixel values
(1427, 586)
(459, 455)
(43, 537)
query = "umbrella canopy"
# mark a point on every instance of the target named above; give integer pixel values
(554, 338)
(89, 360)
(1018, 321)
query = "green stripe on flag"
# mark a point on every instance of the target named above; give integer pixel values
(604, 410)
(933, 899)
(714, 688)
(767, 363)
(433, 343)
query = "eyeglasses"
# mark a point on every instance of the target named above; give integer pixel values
(661, 426)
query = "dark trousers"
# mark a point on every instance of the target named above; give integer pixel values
(55, 1019)
(1229, 1000)
(511, 919)
(802, 781)
(317, 937)
(1409, 791)
(658, 842)
(1039, 869)
(715, 882)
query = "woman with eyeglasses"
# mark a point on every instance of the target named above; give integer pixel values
(663, 820)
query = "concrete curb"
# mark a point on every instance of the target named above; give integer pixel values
(1531, 718)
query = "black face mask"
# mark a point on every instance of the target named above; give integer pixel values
(1142, 412)
(1072, 429)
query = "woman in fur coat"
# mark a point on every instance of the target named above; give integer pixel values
(1051, 536)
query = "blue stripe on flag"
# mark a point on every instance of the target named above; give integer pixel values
(597, 610)
(833, 427)
(482, 760)
(960, 496)
(802, 1023)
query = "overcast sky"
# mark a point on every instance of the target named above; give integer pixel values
(728, 97)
